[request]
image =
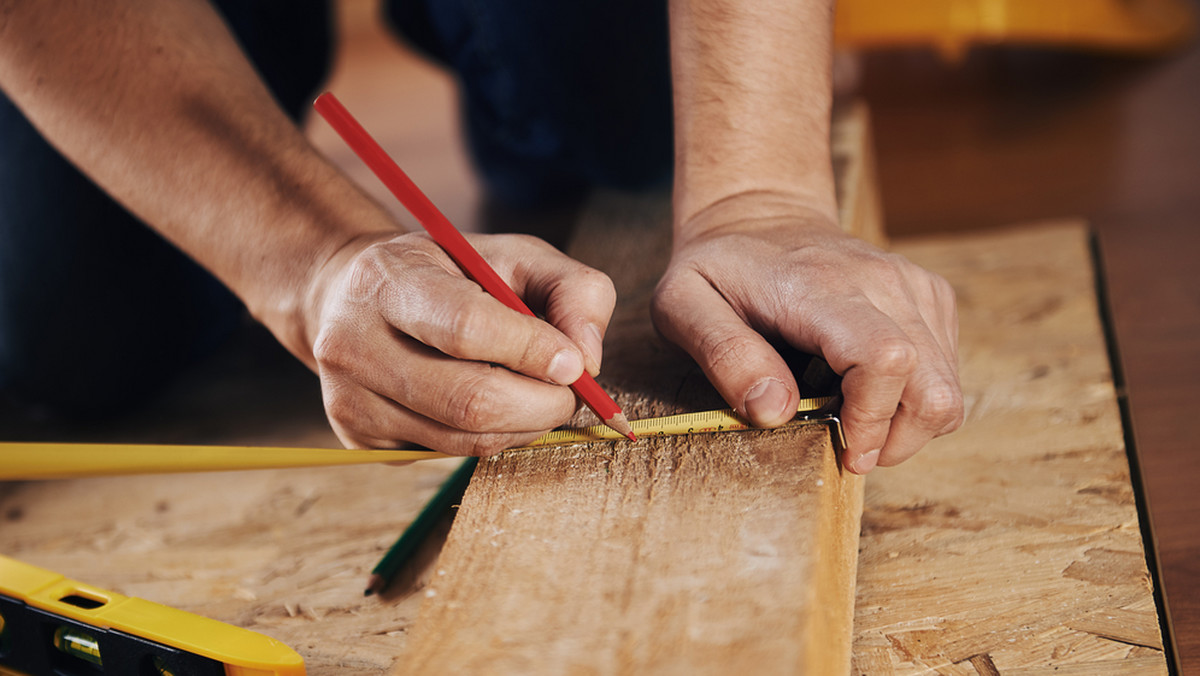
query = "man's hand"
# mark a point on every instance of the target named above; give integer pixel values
(410, 350)
(757, 252)
(156, 102)
(887, 326)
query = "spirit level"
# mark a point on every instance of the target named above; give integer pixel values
(53, 626)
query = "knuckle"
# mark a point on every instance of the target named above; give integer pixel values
(535, 352)
(467, 327)
(891, 268)
(942, 287)
(895, 355)
(666, 295)
(660, 303)
(470, 444)
(940, 407)
(366, 275)
(472, 406)
(725, 351)
(600, 284)
(485, 445)
(339, 412)
(340, 409)
(334, 349)
(865, 416)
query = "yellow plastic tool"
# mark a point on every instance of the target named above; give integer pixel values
(28, 461)
(50, 624)
(1145, 26)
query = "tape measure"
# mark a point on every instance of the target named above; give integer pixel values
(39, 460)
(810, 411)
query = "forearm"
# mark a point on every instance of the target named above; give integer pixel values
(752, 102)
(154, 101)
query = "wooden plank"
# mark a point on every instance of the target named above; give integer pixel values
(1013, 545)
(694, 555)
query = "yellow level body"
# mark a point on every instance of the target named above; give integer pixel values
(241, 651)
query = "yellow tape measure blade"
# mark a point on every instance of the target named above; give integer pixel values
(700, 422)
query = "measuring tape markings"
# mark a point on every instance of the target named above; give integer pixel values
(814, 410)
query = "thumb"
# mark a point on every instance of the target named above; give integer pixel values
(739, 362)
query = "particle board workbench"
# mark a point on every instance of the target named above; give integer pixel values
(1009, 547)
(1013, 546)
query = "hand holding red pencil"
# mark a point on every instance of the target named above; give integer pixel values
(411, 351)
(462, 372)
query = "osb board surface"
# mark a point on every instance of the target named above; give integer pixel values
(1012, 546)
(282, 552)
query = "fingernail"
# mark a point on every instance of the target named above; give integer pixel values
(766, 401)
(565, 367)
(866, 462)
(593, 346)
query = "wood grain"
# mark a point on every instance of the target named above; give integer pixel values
(1013, 545)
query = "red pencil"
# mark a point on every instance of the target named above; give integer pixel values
(452, 241)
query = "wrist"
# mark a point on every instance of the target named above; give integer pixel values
(757, 211)
(286, 290)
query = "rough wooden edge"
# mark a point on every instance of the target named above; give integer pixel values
(830, 646)
(830, 652)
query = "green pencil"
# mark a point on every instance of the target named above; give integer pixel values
(448, 494)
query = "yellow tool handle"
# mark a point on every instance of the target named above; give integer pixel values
(28, 461)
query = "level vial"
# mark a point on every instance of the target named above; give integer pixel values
(78, 644)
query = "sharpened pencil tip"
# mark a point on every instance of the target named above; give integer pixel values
(621, 424)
